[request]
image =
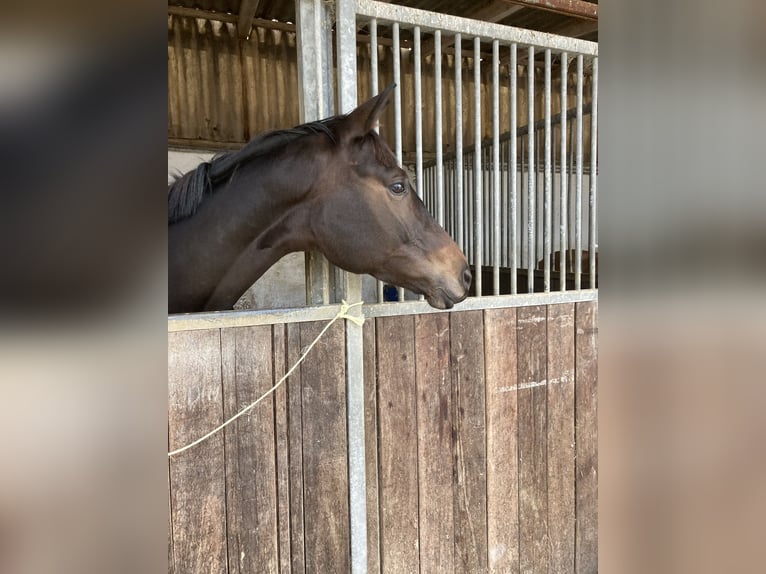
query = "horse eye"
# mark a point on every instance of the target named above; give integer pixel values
(397, 188)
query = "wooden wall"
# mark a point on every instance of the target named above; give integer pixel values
(480, 433)
(223, 90)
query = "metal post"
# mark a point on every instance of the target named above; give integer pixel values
(438, 112)
(315, 96)
(496, 167)
(398, 106)
(352, 292)
(563, 243)
(548, 181)
(593, 169)
(478, 207)
(459, 142)
(532, 167)
(578, 181)
(514, 90)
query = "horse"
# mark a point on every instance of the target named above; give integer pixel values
(331, 186)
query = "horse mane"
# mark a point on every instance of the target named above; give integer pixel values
(189, 191)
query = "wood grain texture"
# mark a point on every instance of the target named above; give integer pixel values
(434, 407)
(561, 437)
(251, 505)
(502, 440)
(282, 446)
(197, 476)
(469, 446)
(397, 412)
(325, 454)
(295, 447)
(586, 410)
(534, 550)
(371, 447)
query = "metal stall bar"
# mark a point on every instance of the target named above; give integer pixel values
(548, 181)
(438, 122)
(315, 92)
(398, 107)
(459, 142)
(478, 199)
(352, 291)
(578, 181)
(531, 165)
(496, 166)
(592, 179)
(563, 246)
(374, 89)
(513, 198)
(419, 123)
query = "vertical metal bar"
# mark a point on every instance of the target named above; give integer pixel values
(578, 182)
(398, 106)
(418, 114)
(459, 219)
(478, 238)
(496, 167)
(513, 199)
(593, 168)
(374, 89)
(419, 121)
(548, 181)
(438, 122)
(315, 93)
(563, 215)
(531, 165)
(347, 94)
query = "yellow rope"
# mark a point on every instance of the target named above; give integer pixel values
(342, 314)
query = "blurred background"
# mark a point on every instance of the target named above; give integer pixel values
(83, 149)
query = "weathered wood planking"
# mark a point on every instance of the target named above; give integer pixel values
(434, 407)
(473, 420)
(197, 476)
(325, 459)
(469, 448)
(561, 437)
(251, 507)
(502, 440)
(371, 447)
(282, 445)
(586, 468)
(397, 412)
(295, 437)
(534, 551)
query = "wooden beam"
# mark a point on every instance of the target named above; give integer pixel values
(576, 29)
(247, 10)
(574, 8)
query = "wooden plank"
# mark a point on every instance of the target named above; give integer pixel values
(561, 437)
(397, 412)
(295, 435)
(469, 447)
(282, 447)
(325, 457)
(197, 476)
(251, 506)
(533, 473)
(586, 408)
(247, 10)
(502, 440)
(371, 447)
(434, 398)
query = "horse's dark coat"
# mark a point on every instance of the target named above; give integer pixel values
(332, 186)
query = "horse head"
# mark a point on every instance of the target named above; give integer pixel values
(367, 217)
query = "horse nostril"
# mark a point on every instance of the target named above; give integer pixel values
(467, 278)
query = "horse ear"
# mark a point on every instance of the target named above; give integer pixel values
(365, 117)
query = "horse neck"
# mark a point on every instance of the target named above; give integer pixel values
(259, 218)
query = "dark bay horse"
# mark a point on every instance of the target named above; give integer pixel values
(331, 186)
